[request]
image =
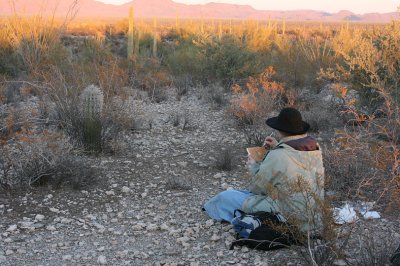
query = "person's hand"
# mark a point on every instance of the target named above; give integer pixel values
(270, 142)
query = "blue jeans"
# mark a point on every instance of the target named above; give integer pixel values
(222, 206)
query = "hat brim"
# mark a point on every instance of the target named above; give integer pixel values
(274, 123)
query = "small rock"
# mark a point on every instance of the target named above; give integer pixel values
(55, 210)
(209, 223)
(66, 257)
(102, 260)
(51, 228)
(9, 252)
(183, 164)
(164, 227)
(339, 263)
(217, 175)
(66, 221)
(39, 217)
(215, 238)
(182, 239)
(26, 225)
(110, 192)
(151, 227)
(21, 251)
(3, 259)
(37, 226)
(98, 226)
(139, 226)
(12, 228)
(125, 189)
(225, 186)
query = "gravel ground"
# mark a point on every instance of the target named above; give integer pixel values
(145, 206)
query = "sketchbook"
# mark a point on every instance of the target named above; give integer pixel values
(257, 153)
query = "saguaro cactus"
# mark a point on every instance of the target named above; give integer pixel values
(131, 32)
(92, 99)
(284, 26)
(220, 30)
(177, 19)
(155, 37)
(137, 43)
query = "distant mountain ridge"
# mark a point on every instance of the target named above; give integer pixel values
(171, 9)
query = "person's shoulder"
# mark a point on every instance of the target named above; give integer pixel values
(278, 152)
(281, 148)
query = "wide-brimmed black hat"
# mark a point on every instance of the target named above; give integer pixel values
(290, 121)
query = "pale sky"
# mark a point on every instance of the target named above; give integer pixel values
(357, 6)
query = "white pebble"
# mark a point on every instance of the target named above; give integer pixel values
(125, 189)
(9, 252)
(217, 175)
(215, 238)
(209, 223)
(50, 228)
(164, 227)
(109, 193)
(152, 227)
(102, 260)
(54, 210)
(39, 217)
(12, 228)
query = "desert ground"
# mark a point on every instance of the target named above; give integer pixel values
(144, 206)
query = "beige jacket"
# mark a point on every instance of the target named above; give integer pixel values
(289, 182)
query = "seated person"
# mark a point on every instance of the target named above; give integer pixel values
(289, 181)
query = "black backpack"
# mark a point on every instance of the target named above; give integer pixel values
(395, 259)
(264, 231)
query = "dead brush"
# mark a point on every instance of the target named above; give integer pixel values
(225, 160)
(254, 137)
(380, 181)
(214, 95)
(182, 84)
(258, 98)
(373, 249)
(178, 183)
(47, 159)
(175, 119)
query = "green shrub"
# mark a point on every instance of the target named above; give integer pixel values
(185, 59)
(229, 60)
(10, 63)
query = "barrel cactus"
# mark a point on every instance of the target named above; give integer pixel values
(92, 100)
